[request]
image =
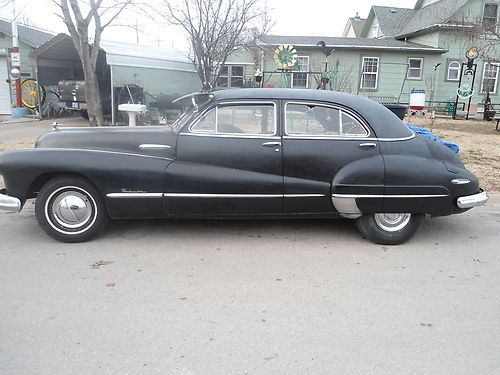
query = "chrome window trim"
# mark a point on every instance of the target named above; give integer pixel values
(213, 135)
(352, 138)
(99, 151)
(341, 110)
(238, 135)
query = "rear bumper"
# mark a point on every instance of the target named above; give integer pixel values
(469, 201)
(8, 203)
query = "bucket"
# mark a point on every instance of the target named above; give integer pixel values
(20, 112)
(417, 99)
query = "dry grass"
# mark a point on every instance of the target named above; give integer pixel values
(478, 140)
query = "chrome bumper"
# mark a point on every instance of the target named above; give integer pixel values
(474, 200)
(8, 203)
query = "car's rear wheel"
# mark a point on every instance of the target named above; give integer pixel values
(389, 228)
(70, 209)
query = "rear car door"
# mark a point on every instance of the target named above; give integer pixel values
(228, 162)
(327, 150)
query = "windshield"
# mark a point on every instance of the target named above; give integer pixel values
(183, 118)
(193, 105)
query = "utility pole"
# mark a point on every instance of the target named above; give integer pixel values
(14, 56)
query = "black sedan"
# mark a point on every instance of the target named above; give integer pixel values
(254, 153)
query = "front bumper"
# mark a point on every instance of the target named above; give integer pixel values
(9, 203)
(474, 200)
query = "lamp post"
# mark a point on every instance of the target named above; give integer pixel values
(14, 56)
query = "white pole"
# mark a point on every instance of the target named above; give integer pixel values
(15, 38)
(112, 96)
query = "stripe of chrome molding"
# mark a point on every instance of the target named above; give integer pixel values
(135, 195)
(389, 195)
(99, 151)
(195, 195)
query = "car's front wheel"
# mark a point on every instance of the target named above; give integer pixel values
(70, 209)
(389, 228)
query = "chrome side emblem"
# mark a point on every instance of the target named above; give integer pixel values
(460, 181)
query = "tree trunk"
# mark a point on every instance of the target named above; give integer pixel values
(92, 93)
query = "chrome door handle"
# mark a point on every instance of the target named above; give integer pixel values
(271, 144)
(368, 145)
(152, 146)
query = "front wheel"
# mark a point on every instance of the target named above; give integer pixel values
(389, 228)
(70, 209)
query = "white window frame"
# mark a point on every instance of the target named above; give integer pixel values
(459, 70)
(306, 72)
(363, 72)
(496, 19)
(493, 63)
(419, 78)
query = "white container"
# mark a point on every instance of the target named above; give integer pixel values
(417, 99)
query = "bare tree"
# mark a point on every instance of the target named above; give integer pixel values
(215, 28)
(86, 32)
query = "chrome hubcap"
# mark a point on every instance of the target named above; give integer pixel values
(72, 209)
(392, 222)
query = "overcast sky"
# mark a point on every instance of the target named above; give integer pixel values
(310, 17)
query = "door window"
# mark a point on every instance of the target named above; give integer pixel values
(317, 120)
(239, 119)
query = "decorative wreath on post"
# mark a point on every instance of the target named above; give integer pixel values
(285, 56)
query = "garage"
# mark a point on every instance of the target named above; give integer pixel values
(123, 69)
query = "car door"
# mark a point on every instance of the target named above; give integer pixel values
(327, 150)
(228, 162)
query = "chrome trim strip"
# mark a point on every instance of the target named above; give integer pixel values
(388, 195)
(196, 195)
(134, 195)
(460, 181)
(474, 200)
(8, 203)
(153, 146)
(350, 138)
(219, 135)
(303, 195)
(100, 151)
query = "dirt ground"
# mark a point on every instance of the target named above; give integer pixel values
(479, 145)
(478, 140)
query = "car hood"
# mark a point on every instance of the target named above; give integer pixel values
(120, 139)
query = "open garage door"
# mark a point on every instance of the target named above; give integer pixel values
(5, 108)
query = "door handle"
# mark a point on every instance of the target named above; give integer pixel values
(368, 145)
(271, 144)
(151, 146)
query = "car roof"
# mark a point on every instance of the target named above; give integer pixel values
(383, 121)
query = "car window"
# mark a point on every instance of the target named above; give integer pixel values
(318, 120)
(241, 119)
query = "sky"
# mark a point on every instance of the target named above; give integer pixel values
(312, 17)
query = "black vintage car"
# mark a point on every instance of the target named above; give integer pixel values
(260, 153)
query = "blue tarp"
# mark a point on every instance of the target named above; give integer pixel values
(428, 134)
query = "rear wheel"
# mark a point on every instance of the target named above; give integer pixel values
(70, 209)
(389, 228)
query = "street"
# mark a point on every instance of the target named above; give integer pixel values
(251, 297)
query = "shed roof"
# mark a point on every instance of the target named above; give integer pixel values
(28, 35)
(61, 47)
(361, 43)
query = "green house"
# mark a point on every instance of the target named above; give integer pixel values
(387, 55)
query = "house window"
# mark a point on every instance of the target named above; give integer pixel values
(490, 16)
(231, 76)
(369, 76)
(415, 68)
(454, 68)
(490, 78)
(300, 79)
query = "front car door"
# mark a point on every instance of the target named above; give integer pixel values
(228, 162)
(327, 150)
